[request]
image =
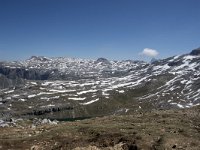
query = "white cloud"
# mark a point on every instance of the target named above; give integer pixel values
(149, 52)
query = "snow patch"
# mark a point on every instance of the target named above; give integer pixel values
(90, 102)
(77, 98)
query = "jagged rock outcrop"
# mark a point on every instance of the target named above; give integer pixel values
(195, 51)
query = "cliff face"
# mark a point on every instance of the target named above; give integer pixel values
(29, 74)
(7, 83)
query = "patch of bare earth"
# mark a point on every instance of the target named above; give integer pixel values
(156, 130)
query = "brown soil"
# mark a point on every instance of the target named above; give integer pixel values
(156, 130)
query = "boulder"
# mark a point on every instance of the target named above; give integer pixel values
(3, 124)
(46, 121)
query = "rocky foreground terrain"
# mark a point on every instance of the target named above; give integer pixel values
(155, 130)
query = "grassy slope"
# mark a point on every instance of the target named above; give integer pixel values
(178, 129)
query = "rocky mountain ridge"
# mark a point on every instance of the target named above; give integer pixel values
(61, 88)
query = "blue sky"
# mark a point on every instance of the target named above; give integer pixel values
(114, 29)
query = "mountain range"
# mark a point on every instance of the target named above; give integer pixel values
(63, 88)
